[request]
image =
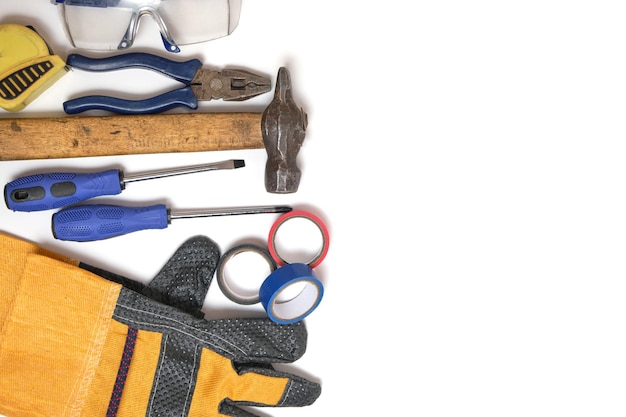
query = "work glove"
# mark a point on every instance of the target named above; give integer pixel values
(73, 343)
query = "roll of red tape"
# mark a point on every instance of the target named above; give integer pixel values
(294, 214)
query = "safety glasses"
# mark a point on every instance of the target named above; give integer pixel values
(113, 24)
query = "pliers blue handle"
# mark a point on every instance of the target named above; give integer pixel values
(188, 72)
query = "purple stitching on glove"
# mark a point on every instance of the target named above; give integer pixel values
(122, 372)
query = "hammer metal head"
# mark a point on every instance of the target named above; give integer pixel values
(283, 126)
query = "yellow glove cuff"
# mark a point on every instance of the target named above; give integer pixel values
(52, 332)
(13, 253)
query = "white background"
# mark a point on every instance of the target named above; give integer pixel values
(468, 158)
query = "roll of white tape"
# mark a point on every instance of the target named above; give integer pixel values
(291, 293)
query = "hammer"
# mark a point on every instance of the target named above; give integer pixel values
(280, 129)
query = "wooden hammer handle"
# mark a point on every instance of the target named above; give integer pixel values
(69, 137)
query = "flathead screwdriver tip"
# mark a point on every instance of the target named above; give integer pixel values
(239, 163)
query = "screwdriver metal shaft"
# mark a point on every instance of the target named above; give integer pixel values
(191, 214)
(91, 222)
(229, 164)
(55, 190)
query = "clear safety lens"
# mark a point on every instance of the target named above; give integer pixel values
(114, 24)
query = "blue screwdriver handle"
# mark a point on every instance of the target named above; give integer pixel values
(54, 190)
(177, 98)
(183, 71)
(91, 222)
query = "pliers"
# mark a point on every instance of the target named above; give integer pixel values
(200, 84)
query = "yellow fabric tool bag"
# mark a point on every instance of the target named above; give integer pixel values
(73, 343)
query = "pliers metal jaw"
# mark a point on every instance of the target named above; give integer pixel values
(200, 84)
(229, 85)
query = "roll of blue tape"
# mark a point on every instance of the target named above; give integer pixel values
(291, 293)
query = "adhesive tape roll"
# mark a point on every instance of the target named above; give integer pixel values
(291, 293)
(227, 284)
(281, 256)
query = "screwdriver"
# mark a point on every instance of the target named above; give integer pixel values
(54, 190)
(91, 222)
